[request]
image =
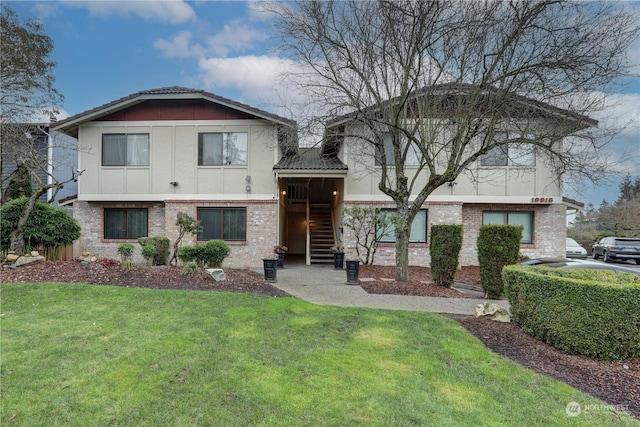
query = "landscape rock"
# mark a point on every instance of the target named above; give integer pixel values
(11, 258)
(28, 259)
(217, 274)
(493, 311)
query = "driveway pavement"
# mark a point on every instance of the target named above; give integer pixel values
(323, 285)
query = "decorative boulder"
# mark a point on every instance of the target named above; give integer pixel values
(11, 258)
(493, 311)
(28, 259)
(217, 274)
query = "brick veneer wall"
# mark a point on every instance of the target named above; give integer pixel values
(261, 228)
(91, 218)
(548, 239)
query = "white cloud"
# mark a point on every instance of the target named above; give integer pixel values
(179, 46)
(234, 37)
(258, 78)
(171, 11)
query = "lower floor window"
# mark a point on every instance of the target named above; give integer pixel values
(223, 223)
(525, 219)
(418, 228)
(121, 223)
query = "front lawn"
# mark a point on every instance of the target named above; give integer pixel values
(75, 354)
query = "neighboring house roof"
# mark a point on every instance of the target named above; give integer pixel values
(70, 124)
(450, 94)
(451, 97)
(310, 160)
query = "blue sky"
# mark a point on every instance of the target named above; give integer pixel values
(108, 49)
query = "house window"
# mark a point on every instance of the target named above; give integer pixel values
(125, 223)
(223, 223)
(413, 152)
(225, 148)
(512, 154)
(525, 219)
(418, 229)
(125, 149)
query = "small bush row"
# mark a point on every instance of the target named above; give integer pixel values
(212, 253)
(155, 249)
(592, 313)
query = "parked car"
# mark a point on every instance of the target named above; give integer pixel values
(575, 250)
(578, 263)
(617, 249)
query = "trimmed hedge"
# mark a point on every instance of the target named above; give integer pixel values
(498, 245)
(444, 247)
(593, 313)
(162, 248)
(212, 253)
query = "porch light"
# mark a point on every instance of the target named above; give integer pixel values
(284, 192)
(335, 192)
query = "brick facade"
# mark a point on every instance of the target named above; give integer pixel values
(549, 232)
(261, 228)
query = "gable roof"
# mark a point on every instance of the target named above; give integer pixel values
(310, 159)
(70, 124)
(452, 95)
(449, 98)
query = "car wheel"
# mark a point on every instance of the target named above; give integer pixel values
(595, 255)
(607, 257)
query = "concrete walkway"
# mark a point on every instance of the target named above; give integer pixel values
(323, 285)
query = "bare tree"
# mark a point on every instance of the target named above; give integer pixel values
(439, 84)
(26, 77)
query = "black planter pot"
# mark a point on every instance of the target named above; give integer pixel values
(270, 269)
(338, 260)
(280, 259)
(353, 268)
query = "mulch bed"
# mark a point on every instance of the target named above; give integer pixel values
(376, 279)
(616, 383)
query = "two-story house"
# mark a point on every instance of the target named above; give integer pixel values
(239, 170)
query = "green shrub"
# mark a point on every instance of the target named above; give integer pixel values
(189, 268)
(498, 245)
(445, 244)
(212, 253)
(46, 228)
(593, 313)
(149, 252)
(126, 253)
(162, 248)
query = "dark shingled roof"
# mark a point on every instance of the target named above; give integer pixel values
(310, 160)
(169, 92)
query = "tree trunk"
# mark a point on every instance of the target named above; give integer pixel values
(16, 238)
(402, 253)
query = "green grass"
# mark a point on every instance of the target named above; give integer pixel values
(82, 355)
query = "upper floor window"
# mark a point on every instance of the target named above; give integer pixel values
(120, 223)
(125, 149)
(418, 229)
(413, 153)
(512, 154)
(525, 219)
(223, 223)
(222, 148)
